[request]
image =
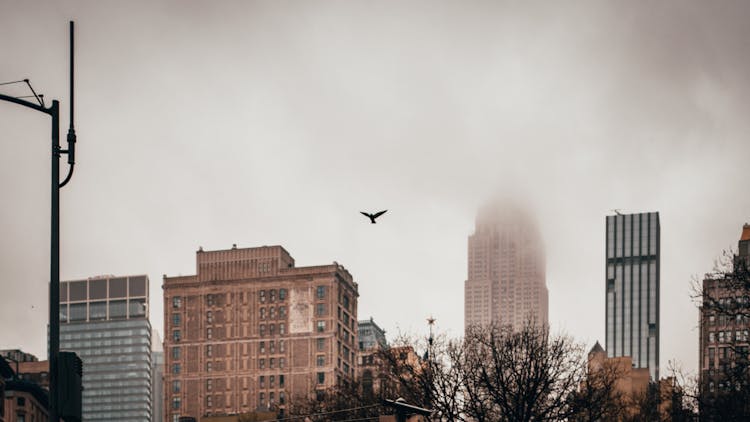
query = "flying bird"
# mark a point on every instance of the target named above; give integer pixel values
(372, 217)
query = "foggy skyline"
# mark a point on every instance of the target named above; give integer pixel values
(275, 123)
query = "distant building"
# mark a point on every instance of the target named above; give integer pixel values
(157, 378)
(506, 281)
(15, 355)
(725, 323)
(371, 340)
(105, 321)
(632, 288)
(22, 400)
(250, 331)
(35, 372)
(370, 335)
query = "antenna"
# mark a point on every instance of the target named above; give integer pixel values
(71, 151)
(617, 211)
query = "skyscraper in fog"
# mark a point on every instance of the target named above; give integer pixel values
(506, 283)
(105, 321)
(632, 289)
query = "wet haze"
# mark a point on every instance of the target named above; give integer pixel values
(261, 123)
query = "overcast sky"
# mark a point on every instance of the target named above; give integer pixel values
(262, 123)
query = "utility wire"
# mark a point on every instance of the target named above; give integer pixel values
(12, 82)
(325, 413)
(41, 101)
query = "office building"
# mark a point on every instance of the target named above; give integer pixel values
(105, 321)
(370, 335)
(632, 289)
(250, 331)
(506, 283)
(725, 324)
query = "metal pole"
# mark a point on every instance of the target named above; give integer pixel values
(54, 285)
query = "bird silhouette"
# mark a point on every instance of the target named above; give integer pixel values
(372, 217)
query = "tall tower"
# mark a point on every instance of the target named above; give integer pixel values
(105, 321)
(506, 275)
(632, 289)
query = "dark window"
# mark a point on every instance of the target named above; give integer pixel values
(321, 326)
(321, 344)
(321, 377)
(209, 300)
(282, 294)
(176, 386)
(175, 353)
(320, 309)
(176, 368)
(176, 320)
(118, 287)
(137, 307)
(321, 292)
(176, 302)
(78, 290)
(98, 289)
(176, 335)
(137, 286)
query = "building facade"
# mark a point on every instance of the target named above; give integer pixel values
(506, 282)
(105, 321)
(725, 324)
(250, 331)
(632, 288)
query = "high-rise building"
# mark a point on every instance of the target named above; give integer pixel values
(250, 331)
(370, 335)
(725, 324)
(105, 321)
(506, 281)
(632, 289)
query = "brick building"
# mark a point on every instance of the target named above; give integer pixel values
(250, 331)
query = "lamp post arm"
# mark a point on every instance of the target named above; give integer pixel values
(28, 104)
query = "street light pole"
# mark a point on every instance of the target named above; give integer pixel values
(55, 185)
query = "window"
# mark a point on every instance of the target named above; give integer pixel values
(261, 363)
(210, 317)
(176, 319)
(209, 350)
(321, 359)
(320, 309)
(175, 403)
(97, 311)
(282, 361)
(711, 337)
(176, 368)
(282, 397)
(281, 346)
(282, 328)
(261, 400)
(209, 333)
(176, 335)
(272, 295)
(282, 311)
(209, 401)
(272, 346)
(272, 363)
(175, 353)
(321, 344)
(282, 294)
(321, 377)
(262, 313)
(176, 302)
(262, 381)
(209, 384)
(208, 366)
(262, 329)
(209, 300)
(78, 312)
(271, 397)
(281, 381)
(262, 295)
(271, 329)
(272, 313)
(176, 386)
(321, 326)
(262, 347)
(321, 292)
(346, 302)
(271, 381)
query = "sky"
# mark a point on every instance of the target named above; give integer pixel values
(207, 124)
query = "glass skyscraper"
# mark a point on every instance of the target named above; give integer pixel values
(632, 289)
(105, 321)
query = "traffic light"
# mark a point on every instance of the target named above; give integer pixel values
(69, 386)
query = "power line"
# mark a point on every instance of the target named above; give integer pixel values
(290, 418)
(11, 82)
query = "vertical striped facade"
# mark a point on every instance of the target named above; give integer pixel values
(632, 289)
